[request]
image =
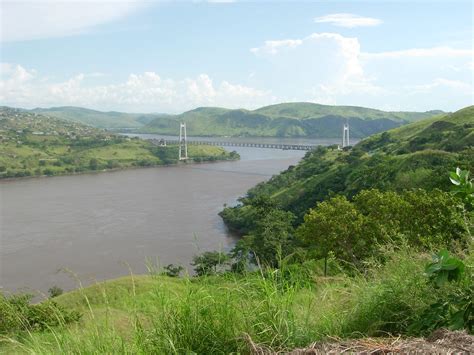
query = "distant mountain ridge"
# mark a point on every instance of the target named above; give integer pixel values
(99, 119)
(298, 119)
(295, 119)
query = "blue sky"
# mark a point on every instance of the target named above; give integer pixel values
(174, 56)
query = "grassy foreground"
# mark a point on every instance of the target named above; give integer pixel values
(280, 309)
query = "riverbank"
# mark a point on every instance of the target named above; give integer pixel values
(190, 161)
(36, 145)
(25, 162)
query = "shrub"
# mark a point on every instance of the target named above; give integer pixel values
(210, 262)
(173, 270)
(55, 291)
(18, 314)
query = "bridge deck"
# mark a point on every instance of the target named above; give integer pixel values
(241, 144)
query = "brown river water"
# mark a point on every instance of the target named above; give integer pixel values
(103, 225)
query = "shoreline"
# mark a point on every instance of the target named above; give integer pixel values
(190, 161)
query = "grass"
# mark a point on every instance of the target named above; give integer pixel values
(219, 314)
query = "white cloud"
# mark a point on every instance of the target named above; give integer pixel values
(331, 68)
(272, 47)
(140, 92)
(421, 53)
(35, 19)
(328, 63)
(348, 20)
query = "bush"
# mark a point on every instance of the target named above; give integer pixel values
(55, 291)
(173, 270)
(17, 314)
(210, 263)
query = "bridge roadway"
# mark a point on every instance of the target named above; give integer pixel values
(240, 144)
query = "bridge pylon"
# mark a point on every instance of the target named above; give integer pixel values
(183, 144)
(345, 135)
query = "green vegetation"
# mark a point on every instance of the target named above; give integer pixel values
(382, 246)
(280, 309)
(36, 145)
(298, 119)
(418, 155)
(18, 315)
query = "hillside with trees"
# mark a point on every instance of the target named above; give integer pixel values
(417, 155)
(35, 145)
(299, 119)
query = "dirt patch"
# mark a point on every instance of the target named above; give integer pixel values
(440, 342)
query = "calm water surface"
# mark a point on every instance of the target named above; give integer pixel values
(99, 225)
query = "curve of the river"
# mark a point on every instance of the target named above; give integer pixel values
(101, 225)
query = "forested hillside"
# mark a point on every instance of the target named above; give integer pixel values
(418, 155)
(32, 144)
(299, 119)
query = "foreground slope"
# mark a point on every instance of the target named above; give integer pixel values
(418, 155)
(276, 310)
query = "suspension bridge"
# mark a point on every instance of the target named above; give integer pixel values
(183, 143)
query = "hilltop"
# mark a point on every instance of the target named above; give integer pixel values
(299, 119)
(99, 119)
(34, 144)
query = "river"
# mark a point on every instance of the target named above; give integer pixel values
(102, 225)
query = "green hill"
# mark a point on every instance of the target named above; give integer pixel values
(33, 144)
(299, 119)
(417, 155)
(99, 119)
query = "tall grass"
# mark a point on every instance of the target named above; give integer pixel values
(278, 309)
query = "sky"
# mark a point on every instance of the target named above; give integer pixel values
(173, 56)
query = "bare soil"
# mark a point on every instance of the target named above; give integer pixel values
(440, 342)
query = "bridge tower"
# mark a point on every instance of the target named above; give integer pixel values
(183, 144)
(345, 135)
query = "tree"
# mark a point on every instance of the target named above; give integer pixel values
(272, 238)
(335, 226)
(354, 230)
